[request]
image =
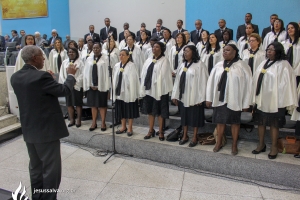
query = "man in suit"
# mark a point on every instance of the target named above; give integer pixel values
(158, 34)
(159, 21)
(41, 119)
(179, 28)
(241, 31)
(2, 43)
(52, 39)
(95, 36)
(14, 36)
(196, 34)
(66, 42)
(143, 28)
(21, 41)
(108, 30)
(126, 27)
(268, 29)
(219, 32)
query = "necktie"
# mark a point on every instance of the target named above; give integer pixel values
(58, 61)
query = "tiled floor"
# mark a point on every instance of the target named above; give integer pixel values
(128, 178)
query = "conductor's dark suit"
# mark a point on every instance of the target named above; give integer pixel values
(42, 124)
(241, 31)
(219, 34)
(103, 33)
(95, 36)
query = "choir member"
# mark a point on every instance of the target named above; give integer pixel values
(85, 54)
(126, 92)
(268, 29)
(75, 99)
(135, 54)
(187, 37)
(254, 56)
(241, 29)
(292, 48)
(212, 53)
(149, 53)
(168, 41)
(112, 51)
(72, 44)
(96, 82)
(57, 56)
(176, 53)
(196, 35)
(220, 32)
(296, 117)
(158, 33)
(226, 35)
(202, 43)
(156, 83)
(144, 43)
(179, 28)
(277, 34)
(85, 46)
(229, 92)
(189, 92)
(242, 43)
(29, 40)
(123, 43)
(80, 46)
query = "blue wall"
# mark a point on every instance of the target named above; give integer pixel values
(58, 18)
(233, 11)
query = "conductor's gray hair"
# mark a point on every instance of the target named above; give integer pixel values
(29, 51)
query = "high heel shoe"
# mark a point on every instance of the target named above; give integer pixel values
(257, 152)
(161, 138)
(103, 129)
(149, 136)
(182, 142)
(77, 125)
(217, 149)
(70, 125)
(91, 129)
(272, 156)
(120, 132)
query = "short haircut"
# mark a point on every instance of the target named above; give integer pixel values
(274, 15)
(37, 33)
(162, 47)
(180, 21)
(76, 52)
(143, 24)
(223, 20)
(249, 14)
(257, 37)
(14, 31)
(29, 51)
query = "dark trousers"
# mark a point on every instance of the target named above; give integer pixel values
(44, 168)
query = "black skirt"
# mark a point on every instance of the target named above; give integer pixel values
(276, 120)
(192, 116)
(156, 108)
(75, 99)
(224, 115)
(126, 110)
(95, 98)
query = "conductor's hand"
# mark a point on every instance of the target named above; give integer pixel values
(208, 104)
(72, 69)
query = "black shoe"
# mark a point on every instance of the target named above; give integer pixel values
(70, 125)
(257, 152)
(149, 136)
(297, 155)
(120, 132)
(78, 125)
(272, 156)
(161, 138)
(91, 129)
(103, 129)
(192, 144)
(182, 142)
(129, 134)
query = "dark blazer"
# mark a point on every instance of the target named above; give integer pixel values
(219, 34)
(121, 35)
(176, 32)
(40, 113)
(96, 37)
(2, 42)
(154, 35)
(138, 34)
(265, 32)
(194, 37)
(154, 30)
(50, 39)
(241, 31)
(103, 34)
(16, 39)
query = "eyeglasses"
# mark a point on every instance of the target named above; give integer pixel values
(252, 41)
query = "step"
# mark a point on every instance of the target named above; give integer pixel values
(7, 120)
(3, 111)
(10, 132)
(284, 170)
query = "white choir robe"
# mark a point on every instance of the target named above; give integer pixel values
(278, 88)
(103, 74)
(296, 55)
(200, 47)
(190, 43)
(172, 55)
(114, 56)
(241, 45)
(222, 45)
(137, 58)
(84, 47)
(162, 82)
(122, 44)
(20, 62)
(144, 49)
(130, 87)
(149, 53)
(258, 58)
(238, 86)
(169, 45)
(195, 84)
(218, 56)
(84, 54)
(270, 37)
(53, 59)
(78, 75)
(295, 113)
(105, 45)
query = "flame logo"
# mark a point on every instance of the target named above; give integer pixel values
(15, 194)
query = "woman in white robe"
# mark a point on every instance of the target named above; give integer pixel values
(189, 92)
(144, 44)
(226, 35)
(229, 88)
(156, 83)
(126, 92)
(243, 43)
(277, 34)
(254, 56)
(57, 56)
(75, 99)
(168, 41)
(135, 54)
(212, 54)
(96, 82)
(176, 53)
(202, 44)
(29, 40)
(111, 50)
(274, 89)
(149, 53)
(123, 43)
(86, 53)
